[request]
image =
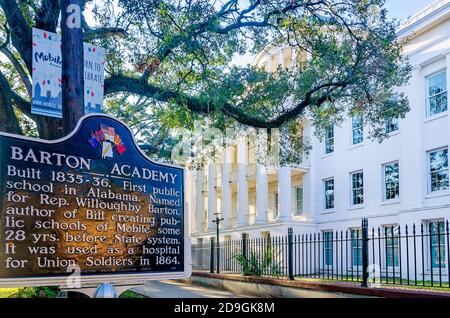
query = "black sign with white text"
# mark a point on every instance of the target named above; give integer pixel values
(91, 200)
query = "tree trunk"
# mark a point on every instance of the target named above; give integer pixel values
(72, 64)
(49, 128)
(8, 120)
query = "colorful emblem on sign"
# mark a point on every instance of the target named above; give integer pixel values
(107, 138)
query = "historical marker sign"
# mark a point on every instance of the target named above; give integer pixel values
(91, 201)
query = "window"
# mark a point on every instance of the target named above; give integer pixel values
(437, 93)
(329, 139)
(391, 116)
(391, 125)
(329, 194)
(392, 256)
(437, 244)
(299, 200)
(275, 208)
(391, 180)
(357, 188)
(357, 130)
(356, 236)
(438, 171)
(328, 248)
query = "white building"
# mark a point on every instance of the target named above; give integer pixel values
(346, 177)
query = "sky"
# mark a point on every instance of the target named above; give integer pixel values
(400, 10)
(397, 9)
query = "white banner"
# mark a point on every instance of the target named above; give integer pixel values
(47, 81)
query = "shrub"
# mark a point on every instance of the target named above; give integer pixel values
(35, 292)
(257, 265)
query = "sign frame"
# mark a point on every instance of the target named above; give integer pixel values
(90, 280)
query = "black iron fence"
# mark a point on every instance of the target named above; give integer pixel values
(408, 255)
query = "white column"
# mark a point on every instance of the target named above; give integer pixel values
(226, 189)
(310, 193)
(412, 163)
(242, 186)
(212, 196)
(190, 200)
(281, 57)
(271, 63)
(284, 193)
(199, 202)
(262, 193)
(294, 58)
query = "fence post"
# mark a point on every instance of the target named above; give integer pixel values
(211, 255)
(244, 245)
(365, 251)
(290, 254)
(244, 252)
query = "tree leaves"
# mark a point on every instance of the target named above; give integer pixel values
(171, 64)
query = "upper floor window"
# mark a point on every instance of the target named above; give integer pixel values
(299, 200)
(391, 125)
(329, 139)
(437, 93)
(391, 180)
(357, 130)
(329, 194)
(357, 179)
(438, 170)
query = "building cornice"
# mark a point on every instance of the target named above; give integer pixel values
(430, 16)
(262, 226)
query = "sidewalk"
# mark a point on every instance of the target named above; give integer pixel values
(176, 289)
(282, 287)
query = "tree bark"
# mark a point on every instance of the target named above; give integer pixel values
(49, 128)
(72, 65)
(8, 120)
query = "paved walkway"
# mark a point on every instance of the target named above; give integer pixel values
(175, 289)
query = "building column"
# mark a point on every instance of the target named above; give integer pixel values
(262, 193)
(281, 57)
(199, 202)
(413, 158)
(212, 196)
(293, 58)
(190, 200)
(226, 188)
(284, 193)
(242, 185)
(311, 182)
